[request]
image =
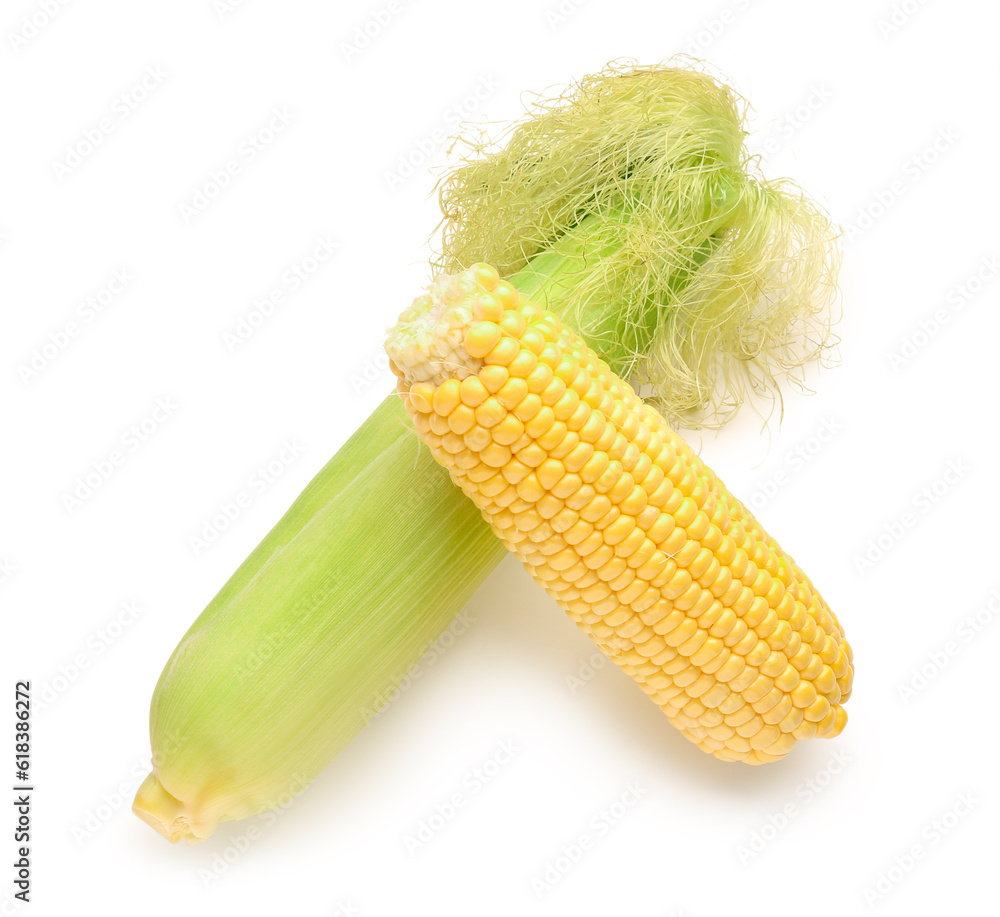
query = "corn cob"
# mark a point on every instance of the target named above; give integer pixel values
(631, 206)
(618, 519)
(346, 593)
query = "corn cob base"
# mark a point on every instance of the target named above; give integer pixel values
(620, 521)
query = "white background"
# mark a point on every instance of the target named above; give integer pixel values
(885, 112)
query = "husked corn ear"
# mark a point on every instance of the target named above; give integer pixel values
(620, 521)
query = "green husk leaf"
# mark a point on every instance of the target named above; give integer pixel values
(314, 631)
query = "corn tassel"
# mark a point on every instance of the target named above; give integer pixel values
(621, 523)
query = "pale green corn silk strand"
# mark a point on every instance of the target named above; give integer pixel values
(713, 280)
(625, 206)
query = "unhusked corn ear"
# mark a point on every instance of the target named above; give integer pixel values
(313, 633)
(620, 521)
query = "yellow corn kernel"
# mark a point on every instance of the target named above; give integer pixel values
(644, 548)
